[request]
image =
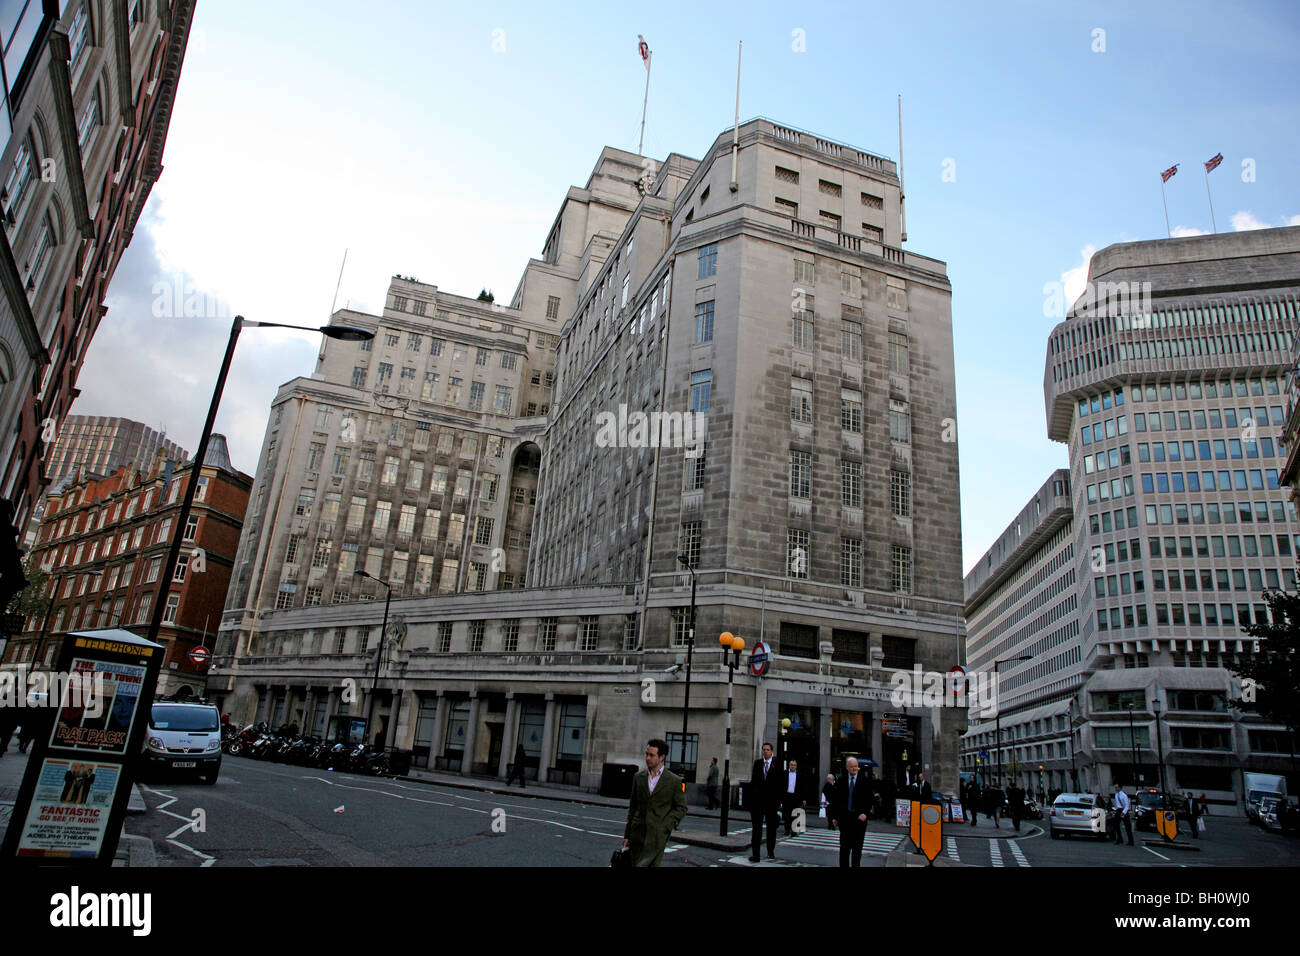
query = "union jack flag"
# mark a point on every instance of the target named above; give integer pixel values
(1210, 164)
(1168, 174)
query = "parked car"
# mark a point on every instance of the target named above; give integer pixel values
(1081, 813)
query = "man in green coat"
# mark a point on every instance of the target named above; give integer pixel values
(658, 806)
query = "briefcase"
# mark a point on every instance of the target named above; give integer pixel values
(621, 859)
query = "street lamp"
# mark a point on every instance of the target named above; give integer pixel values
(690, 647)
(49, 610)
(1132, 739)
(997, 714)
(729, 642)
(1074, 771)
(1160, 744)
(344, 333)
(379, 654)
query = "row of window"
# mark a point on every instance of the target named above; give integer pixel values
(1181, 391)
(1180, 615)
(1240, 480)
(1113, 585)
(1200, 418)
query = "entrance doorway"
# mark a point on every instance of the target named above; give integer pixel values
(495, 734)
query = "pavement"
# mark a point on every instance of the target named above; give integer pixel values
(131, 851)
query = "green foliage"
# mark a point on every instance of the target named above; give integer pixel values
(1275, 668)
(486, 296)
(31, 600)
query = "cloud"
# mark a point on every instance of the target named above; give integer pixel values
(1248, 220)
(153, 364)
(1181, 231)
(1074, 280)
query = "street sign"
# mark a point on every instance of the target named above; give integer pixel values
(957, 681)
(931, 829)
(1167, 823)
(760, 658)
(199, 655)
(984, 754)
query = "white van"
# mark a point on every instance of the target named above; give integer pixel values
(1260, 786)
(185, 737)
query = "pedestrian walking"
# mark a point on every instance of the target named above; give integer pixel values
(1015, 805)
(1122, 805)
(764, 796)
(828, 792)
(924, 792)
(993, 805)
(657, 806)
(1193, 813)
(850, 806)
(792, 786)
(517, 767)
(974, 795)
(711, 784)
(1205, 806)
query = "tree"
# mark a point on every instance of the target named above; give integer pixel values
(1270, 677)
(31, 601)
(486, 296)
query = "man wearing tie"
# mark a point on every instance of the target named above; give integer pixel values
(850, 805)
(792, 785)
(764, 796)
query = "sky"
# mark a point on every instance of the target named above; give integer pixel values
(438, 141)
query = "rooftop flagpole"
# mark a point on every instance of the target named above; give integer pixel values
(644, 49)
(1167, 175)
(1210, 165)
(735, 136)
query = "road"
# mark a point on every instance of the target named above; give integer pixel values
(266, 814)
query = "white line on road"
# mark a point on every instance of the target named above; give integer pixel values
(189, 825)
(1161, 855)
(1017, 853)
(995, 852)
(952, 849)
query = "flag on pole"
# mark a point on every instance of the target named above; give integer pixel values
(1168, 174)
(1212, 164)
(644, 49)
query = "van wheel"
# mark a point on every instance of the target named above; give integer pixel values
(1056, 834)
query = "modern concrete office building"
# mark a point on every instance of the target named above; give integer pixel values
(1166, 383)
(102, 444)
(1022, 601)
(820, 513)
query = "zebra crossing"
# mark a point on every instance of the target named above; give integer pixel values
(878, 844)
(952, 849)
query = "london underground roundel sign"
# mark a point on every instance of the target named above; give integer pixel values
(759, 659)
(199, 655)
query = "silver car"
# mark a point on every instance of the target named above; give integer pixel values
(1081, 813)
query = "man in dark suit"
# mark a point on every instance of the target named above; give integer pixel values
(658, 805)
(850, 807)
(764, 797)
(924, 792)
(793, 793)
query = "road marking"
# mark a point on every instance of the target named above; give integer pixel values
(675, 848)
(189, 825)
(1161, 855)
(1017, 853)
(877, 844)
(995, 852)
(952, 849)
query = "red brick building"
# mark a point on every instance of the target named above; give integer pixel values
(104, 540)
(88, 88)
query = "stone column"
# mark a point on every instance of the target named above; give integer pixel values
(471, 728)
(306, 711)
(877, 745)
(548, 740)
(508, 735)
(331, 704)
(264, 702)
(825, 728)
(436, 744)
(407, 705)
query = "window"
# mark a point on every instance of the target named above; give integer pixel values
(389, 474)
(900, 493)
(704, 322)
(800, 474)
(801, 400)
(315, 454)
(851, 563)
(851, 484)
(588, 633)
(501, 400)
(182, 566)
(689, 542)
(797, 557)
(546, 634)
(851, 412)
(900, 422)
(901, 568)
(80, 35)
(436, 346)
(453, 390)
(191, 527)
(851, 285)
(320, 557)
(829, 220)
(552, 307)
(804, 272)
(476, 390)
(305, 498)
(407, 382)
(150, 576)
(169, 612)
(89, 122)
(701, 386)
(708, 261)
(380, 523)
(898, 353)
(802, 323)
(385, 371)
(481, 356)
(798, 640)
(406, 520)
(851, 340)
(483, 530)
(693, 470)
(438, 483)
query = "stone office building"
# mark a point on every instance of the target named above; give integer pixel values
(819, 514)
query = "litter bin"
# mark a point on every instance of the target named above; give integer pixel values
(616, 780)
(399, 763)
